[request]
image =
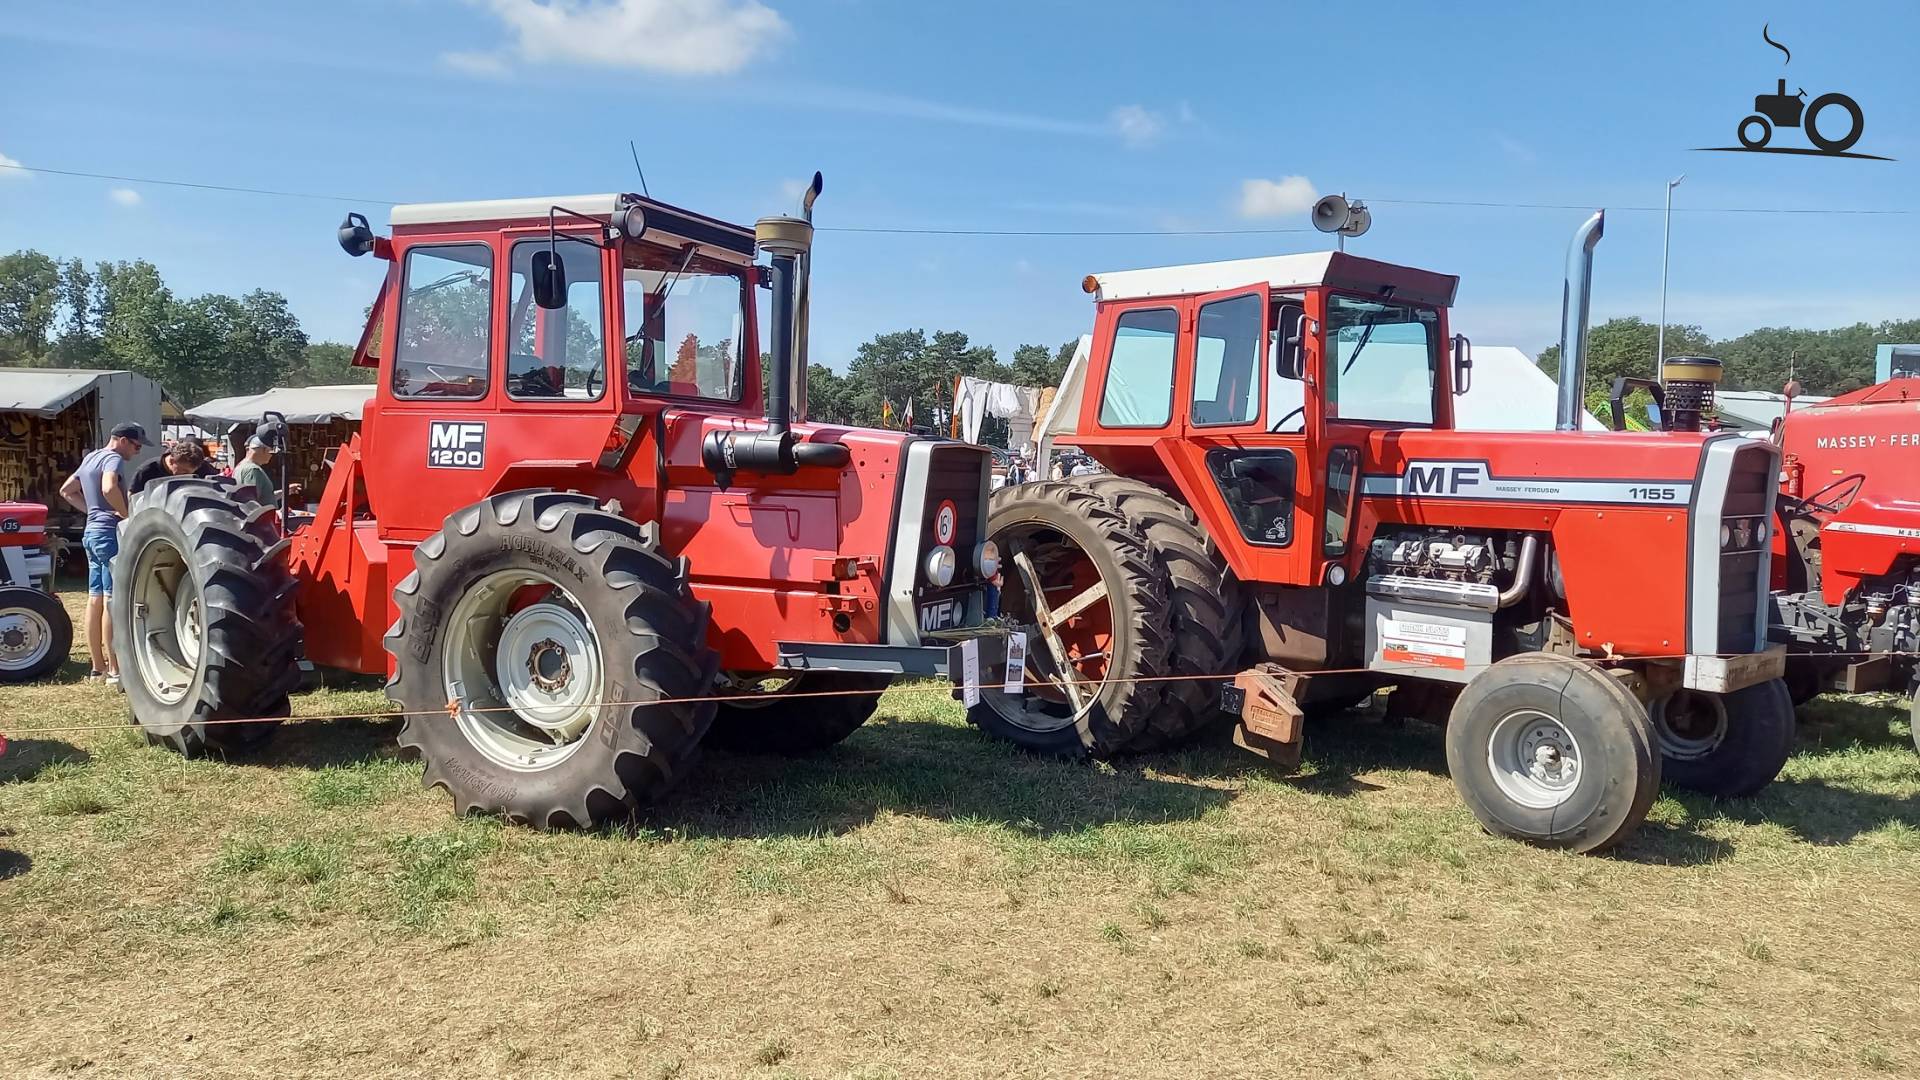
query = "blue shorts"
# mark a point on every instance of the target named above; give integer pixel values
(101, 548)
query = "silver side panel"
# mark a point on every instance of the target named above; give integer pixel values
(13, 567)
(1709, 505)
(903, 622)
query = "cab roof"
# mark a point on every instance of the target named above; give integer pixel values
(1282, 273)
(666, 224)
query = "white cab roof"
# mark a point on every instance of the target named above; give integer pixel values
(1279, 271)
(438, 213)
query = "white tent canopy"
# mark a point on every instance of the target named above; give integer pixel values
(48, 392)
(1509, 392)
(300, 405)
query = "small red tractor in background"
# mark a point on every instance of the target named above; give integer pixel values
(36, 634)
(567, 524)
(1847, 555)
(1288, 498)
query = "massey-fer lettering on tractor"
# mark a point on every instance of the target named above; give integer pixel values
(606, 526)
(1288, 496)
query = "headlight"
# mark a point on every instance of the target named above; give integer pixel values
(1336, 575)
(1726, 535)
(986, 559)
(941, 563)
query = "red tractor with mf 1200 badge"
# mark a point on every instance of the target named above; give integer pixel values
(568, 525)
(1288, 497)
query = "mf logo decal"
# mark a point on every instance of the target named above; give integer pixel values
(1473, 480)
(456, 444)
(1445, 478)
(1832, 122)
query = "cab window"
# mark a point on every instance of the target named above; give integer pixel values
(446, 322)
(685, 325)
(1226, 362)
(1139, 389)
(1382, 362)
(560, 352)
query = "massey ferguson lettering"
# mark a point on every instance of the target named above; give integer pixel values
(455, 444)
(1473, 480)
(1867, 442)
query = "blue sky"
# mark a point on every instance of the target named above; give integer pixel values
(986, 115)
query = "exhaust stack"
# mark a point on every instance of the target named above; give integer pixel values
(1576, 300)
(802, 296)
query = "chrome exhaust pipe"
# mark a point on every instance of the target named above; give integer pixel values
(1576, 300)
(803, 273)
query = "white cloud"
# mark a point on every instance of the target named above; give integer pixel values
(484, 65)
(124, 197)
(13, 169)
(1276, 198)
(676, 37)
(1137, 125)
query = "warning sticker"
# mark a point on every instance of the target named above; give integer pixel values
(1423, 644)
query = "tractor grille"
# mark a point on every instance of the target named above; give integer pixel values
(1744, 565)
(957, 473)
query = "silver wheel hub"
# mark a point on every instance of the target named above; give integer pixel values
(169, 622)
(25, 638)
(526, 677)
(1534, 759)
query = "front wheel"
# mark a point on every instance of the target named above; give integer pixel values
(793, 715)
(1754, 132)
(1553, 751)
(551, 662)
(35, 634)
(1726, 745)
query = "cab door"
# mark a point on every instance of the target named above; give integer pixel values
(1248, 433)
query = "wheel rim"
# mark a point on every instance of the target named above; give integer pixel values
(1689, 724)
(168, 622)
(752, 689)
(1078, 603)
(1534, 759)
(521, 660)
(25, 637)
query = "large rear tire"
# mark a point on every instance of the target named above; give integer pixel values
(836, 704)
(1725, 745)
(534, 633)
(1204, 600)
(1088, 556)
(36, 634)
(1553, 751)
(203, 616)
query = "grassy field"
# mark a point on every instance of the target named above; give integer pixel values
(923, 903)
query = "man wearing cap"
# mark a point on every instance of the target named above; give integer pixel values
(98, 488)
(252, 470)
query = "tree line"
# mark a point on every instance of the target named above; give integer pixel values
(122, 315)
(62, 313)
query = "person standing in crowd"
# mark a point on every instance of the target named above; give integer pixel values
(184, 457)
(97, 488)
(252, 470)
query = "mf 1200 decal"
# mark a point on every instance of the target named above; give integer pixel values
(1473, 480)
(456, 444)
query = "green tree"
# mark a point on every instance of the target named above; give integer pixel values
(329, 363)
(29, 303)
(1629, 347)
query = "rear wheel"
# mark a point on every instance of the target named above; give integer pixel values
(1727, 745)
(1204, 601)
(203, 621)
(535, 632)
(1553, 751)
(36, 635)
(762, 718)
(1082, 584)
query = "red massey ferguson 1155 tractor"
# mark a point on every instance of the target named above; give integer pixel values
(566, 503)
(1287, 497)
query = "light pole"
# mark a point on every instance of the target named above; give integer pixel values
(1666, 241)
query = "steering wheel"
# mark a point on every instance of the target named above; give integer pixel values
(1280, 423)
(596, 381)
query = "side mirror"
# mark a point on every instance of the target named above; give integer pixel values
(1462, 364)
(549, 273)
(1290, 353)
(356, 236)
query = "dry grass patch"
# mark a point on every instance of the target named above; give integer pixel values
(920, 901)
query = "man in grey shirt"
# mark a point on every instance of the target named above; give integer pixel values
(98, 488)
